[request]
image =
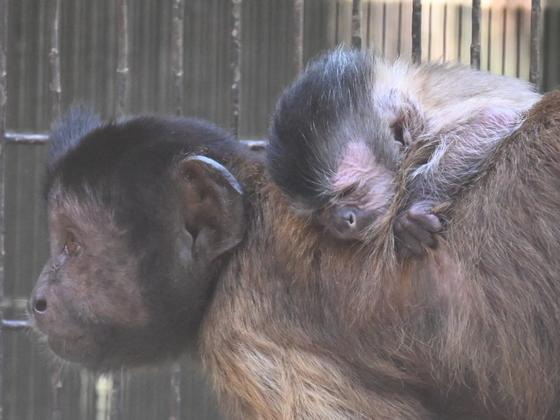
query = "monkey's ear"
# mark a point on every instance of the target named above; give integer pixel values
(408, 122)
(212, 206)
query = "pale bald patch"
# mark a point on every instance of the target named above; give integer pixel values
(449, 95)
(368, 183)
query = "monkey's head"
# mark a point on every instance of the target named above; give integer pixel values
(142, 217)
(335, 143)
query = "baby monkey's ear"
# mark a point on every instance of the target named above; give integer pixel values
(407, 122)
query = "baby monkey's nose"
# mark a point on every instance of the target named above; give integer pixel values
(347, 217)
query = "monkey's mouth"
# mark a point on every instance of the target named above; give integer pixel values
(66, 347)
(68, 344)
(77, 349)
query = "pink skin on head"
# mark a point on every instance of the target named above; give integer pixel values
(363, 188)
(369, 182)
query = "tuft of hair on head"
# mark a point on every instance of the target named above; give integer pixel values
(67, 132)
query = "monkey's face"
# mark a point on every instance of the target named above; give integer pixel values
(361, 189)
(138, 241)
(87, 295)
(129, 279)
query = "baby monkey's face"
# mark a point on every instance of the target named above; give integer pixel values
(361, 188)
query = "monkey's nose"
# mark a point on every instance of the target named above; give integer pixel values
(348, 216)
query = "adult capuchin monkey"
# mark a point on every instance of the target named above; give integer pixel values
(168, 236)
(341, 132)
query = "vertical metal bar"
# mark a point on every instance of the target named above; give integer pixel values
(368, 26)
(298, 16)
(518, 15)
(475, 41)
(55, 89)
(546, 47)
(117, 397)
(56, 386)
(489, 47)
(445, 32)
(54, 59)
(123, 82)
(177, 31)
(504, 40)
(357, 24)
(336, 22)
(177, 54)
(460, 34)
(236, 9)
(177, 69)
(430, 32)
(416, 31)
(3, 103)
(384, 28)
(123, 73)
(399, 31)
(175, 408)
(534, 69)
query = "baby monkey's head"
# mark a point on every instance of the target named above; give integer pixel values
(336, 143)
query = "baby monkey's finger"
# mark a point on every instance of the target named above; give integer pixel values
(417, 230)
(409, 244)
(425, 218)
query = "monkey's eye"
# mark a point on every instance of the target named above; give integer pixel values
(71, 244)
(348, 191)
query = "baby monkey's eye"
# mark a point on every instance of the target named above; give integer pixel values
(348, 191)
(71, 244)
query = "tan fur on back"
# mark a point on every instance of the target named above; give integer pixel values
(303, 328)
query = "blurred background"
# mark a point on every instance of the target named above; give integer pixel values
(88, 59)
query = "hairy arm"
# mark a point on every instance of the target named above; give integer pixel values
(440, 167)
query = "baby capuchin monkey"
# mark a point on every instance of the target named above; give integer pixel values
(341, 132)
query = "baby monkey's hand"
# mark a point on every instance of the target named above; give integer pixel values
(416, 229)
